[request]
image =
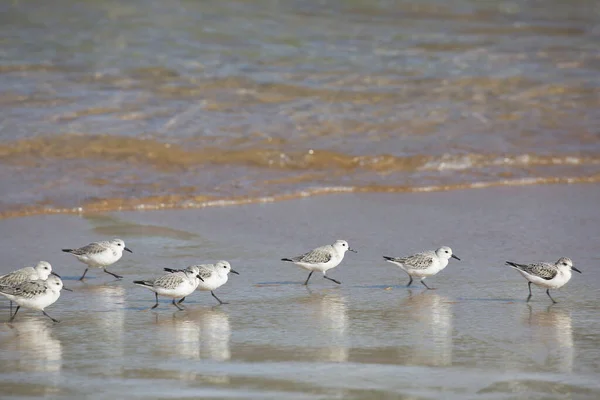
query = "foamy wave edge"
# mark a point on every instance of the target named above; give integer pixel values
(190, 203)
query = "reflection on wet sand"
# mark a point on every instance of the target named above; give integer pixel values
(551, 341)
(37, 349)
(430, 329)
(330, 313)
(104, 325)
(195, 334)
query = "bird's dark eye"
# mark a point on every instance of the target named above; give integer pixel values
(446, 251)
(225, 266)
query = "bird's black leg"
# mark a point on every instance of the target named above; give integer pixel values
(219, 300)
(156, 305)
(548, 293)
(54, 320)
(424, 284)
(115, 275)
(15, 314)
(181, 301)
(83, 276)
(332, 280)
(177, 305)
(309, 275)
(529, 286)
(410, 281)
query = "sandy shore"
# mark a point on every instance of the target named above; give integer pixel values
(370, 337)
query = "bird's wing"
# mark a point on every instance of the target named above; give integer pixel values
(26, 289)
(170, 281)
(417, 261)
(319, 255)
(542, 270)
(205, 271)
(16, 277)
(92, 248)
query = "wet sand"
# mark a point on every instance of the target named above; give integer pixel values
(369, 338)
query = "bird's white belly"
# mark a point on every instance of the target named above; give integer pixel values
(99, 260)
(321, 267)
(212, 283)
(39, 302)
(182, 290)
(558, 281)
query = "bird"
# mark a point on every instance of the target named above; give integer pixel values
(212, 276)
(322, 259)
(100, 255)
(546, 275)
(173, 285)
(424, 264)
(36, 295)
(42, 270)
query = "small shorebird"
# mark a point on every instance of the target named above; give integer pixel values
(36, 295)
(42, 270)
(174, 285)
(546, 275)
(322, 259)
(212, 276)
(100, 255)
(425, 264)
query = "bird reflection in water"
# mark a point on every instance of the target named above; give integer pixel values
(430, 329)
(551, 341)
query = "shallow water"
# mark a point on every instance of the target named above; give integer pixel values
(369, 338)
(108, 105)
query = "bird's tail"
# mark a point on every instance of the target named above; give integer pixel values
(514, 265)
(67, 250)
(144, 283)
(287, 259)
(172, 270)
(389, 258)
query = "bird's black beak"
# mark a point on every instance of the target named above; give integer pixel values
(199, 277)
(453, 256)
(234, 272)
(352, 250)
(129, 250)
(67, 289)
(575, 269)
(55, 274)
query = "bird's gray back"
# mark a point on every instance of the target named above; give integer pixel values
(541, 269)
(319, 255)
(17, 277)
(92, 248)
(206, 270)
(418, 261)
(26, 289)
(170, 281)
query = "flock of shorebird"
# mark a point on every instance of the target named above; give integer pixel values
(38, 287)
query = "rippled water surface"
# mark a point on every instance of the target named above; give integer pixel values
(109, 105)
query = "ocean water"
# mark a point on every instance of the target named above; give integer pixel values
(108, 105)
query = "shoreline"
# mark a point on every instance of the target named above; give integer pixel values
(177, 202)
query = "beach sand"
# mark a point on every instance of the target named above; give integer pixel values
(369, 338)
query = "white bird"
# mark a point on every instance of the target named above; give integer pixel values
(42, 270)
(212, 276)
(174, 285)
(322, 259)
(100, 254)
(425, 264)
(36, 295)
(546, 275)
